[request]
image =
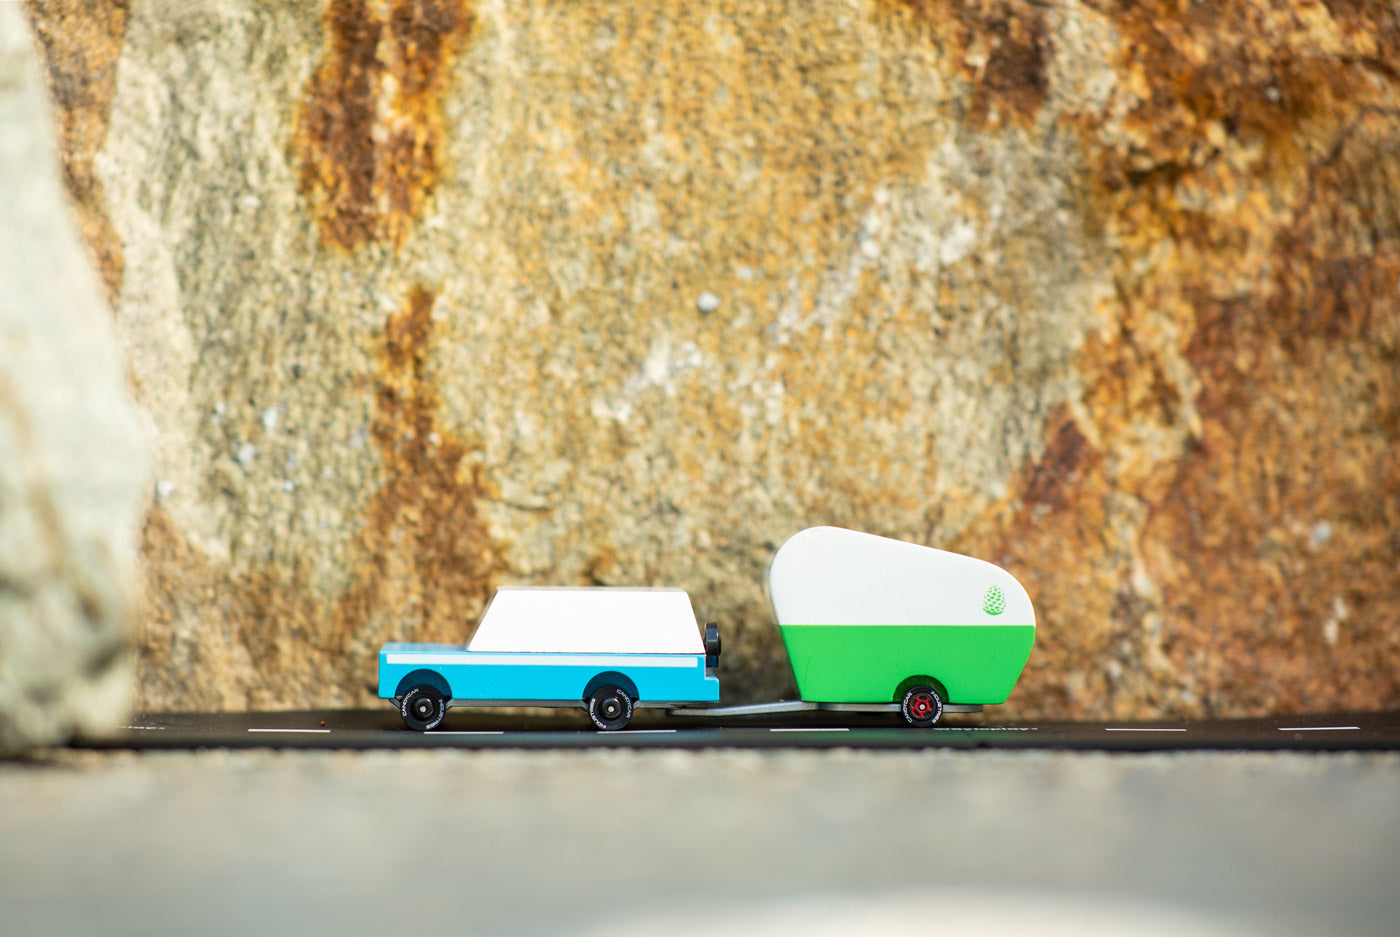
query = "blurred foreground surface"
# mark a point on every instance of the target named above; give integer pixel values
(732, 842)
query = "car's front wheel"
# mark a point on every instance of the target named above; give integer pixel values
(423, 708)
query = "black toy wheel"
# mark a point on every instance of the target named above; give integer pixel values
(423, 708)
(921, 706)
(610, 708)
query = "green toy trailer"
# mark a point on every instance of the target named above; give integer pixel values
(873, 624)
(867, 619)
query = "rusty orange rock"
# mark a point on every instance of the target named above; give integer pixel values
(370, 133)
(428, 296)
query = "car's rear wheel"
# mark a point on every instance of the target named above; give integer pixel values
(921, 706)
(610, 708)
(423, 708)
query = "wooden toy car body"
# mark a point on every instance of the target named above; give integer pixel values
(607, 649)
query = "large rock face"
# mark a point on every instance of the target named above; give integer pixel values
(430, 295)
(74, 459)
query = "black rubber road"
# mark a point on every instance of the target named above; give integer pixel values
(382, 728)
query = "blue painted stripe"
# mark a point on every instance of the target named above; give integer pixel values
(530, 677)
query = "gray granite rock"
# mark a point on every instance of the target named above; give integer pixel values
(418, 298)
(73, 451)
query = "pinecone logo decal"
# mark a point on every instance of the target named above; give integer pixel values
(994, 602)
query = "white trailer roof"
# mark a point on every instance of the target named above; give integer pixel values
(834, 576)
(588, 620)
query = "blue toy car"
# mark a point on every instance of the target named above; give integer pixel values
(605, 649)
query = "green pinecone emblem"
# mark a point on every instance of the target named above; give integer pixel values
(994, 602)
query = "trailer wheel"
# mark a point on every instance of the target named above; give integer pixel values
(423, 708)
(921, 706)
(610, 708)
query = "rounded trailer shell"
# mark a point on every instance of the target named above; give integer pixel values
(861, 615)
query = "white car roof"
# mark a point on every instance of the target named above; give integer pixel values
(588, 620)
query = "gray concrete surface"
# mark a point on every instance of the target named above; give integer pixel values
(732, 842)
